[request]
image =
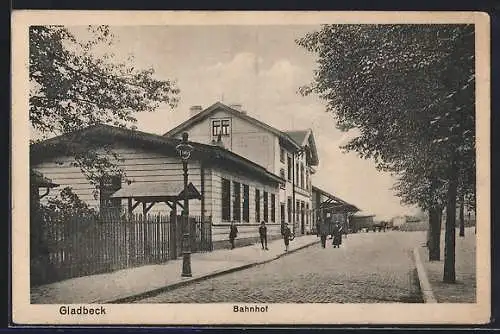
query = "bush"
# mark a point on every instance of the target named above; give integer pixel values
(67, 205)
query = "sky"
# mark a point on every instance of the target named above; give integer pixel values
(260, 67)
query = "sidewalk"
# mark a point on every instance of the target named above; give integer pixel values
(464, 290)
(128, 284)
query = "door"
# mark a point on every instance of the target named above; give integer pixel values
(282, 216)
(302, 218)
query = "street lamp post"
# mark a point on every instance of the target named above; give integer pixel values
(184, 150)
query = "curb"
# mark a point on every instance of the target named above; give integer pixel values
(151, 293)
(423, 280)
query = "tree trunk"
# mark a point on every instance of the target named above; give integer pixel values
(449, 248)
(462, 223)
(475, 220)
(434, 234)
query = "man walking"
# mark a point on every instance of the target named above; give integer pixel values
(233, 233)
(323, 232)
(263, 235)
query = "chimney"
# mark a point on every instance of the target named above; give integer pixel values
(194, 110)
(239, 107)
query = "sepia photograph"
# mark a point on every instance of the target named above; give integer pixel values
(264, 168)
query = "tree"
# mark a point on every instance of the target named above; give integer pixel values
(74, 84)
(409, 91)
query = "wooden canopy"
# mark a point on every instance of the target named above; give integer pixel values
(334, 204)
(150, 193)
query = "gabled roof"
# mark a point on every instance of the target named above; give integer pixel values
(202, 115)
(299, 136)
(305, 138)
(297, 139)
(100, 135)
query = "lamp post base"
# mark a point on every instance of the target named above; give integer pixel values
(186, 265)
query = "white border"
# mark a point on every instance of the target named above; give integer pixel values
(162, 314)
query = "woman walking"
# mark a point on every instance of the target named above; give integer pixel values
(233, 233)
(337, 235)
(287, 236)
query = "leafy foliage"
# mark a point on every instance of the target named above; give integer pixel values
(72, 87)
(64, 207)
(76, 83)
(409, 89)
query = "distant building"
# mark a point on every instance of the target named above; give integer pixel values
(398, 221)
(361, 221)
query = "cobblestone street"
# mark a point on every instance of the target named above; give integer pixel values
(368, 268)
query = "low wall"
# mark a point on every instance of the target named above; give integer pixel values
(248, 234)
(225, 244)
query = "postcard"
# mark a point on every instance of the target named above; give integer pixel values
(214, 168)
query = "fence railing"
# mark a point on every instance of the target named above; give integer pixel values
(83, 246)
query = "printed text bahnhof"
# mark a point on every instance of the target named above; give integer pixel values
(255, 308)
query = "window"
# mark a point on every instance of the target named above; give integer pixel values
(273, 208)
(257, 205)
(307, 179)
(237, 202)
(246, 204)
(307, 213)
(302, 175)
(289, 165)
(215, 127)
(282, 155)
(226, 200)
(224, 127)
(266, 207)
(297, 171)
(297, 212)
(282, 175)
(282, 213)
(289, 207)
(109, 185)
(220, 126)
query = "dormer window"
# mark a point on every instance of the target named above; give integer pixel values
(220, 127)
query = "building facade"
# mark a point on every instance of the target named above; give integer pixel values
(232, 188)
(290, 155)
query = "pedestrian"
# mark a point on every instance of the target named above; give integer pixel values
(263, 235)
(337, 235)
(323, 232)
(287, 236)
(233, 233)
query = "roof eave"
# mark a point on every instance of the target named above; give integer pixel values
(203, 150)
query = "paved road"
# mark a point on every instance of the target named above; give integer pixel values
(368, 268)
